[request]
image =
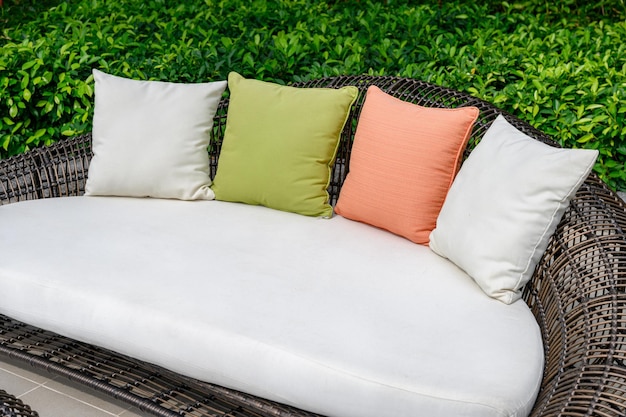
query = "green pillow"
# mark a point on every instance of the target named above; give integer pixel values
(279, 145)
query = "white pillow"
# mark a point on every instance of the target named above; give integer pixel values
(504, 205)
(150, 138)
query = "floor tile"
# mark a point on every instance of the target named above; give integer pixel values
(26, 371)
(50, 403)
(87, 395)
(14, 384)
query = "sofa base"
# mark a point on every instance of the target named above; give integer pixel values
(145, 386)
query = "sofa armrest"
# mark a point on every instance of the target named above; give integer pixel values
(578, 296)
(54, 171)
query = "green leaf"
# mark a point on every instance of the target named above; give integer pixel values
(594, 86)
(586, 138)
(25, 81)
(36, 136)
(29, 64)
(6, 141)
(65, 47)
(47, 77)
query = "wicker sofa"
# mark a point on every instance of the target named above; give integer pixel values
(576, 293)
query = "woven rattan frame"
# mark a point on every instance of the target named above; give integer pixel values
(577, 292)
(14, 407)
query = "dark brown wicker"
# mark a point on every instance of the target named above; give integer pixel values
(14, 407)
(577, 292)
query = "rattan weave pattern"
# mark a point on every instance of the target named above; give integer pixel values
(147, 387)
(577, 292)
(14, 407)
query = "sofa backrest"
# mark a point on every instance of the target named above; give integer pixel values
(61, 169)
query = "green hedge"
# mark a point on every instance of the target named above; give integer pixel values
(561, 67)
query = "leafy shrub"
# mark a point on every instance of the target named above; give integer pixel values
(558, 65)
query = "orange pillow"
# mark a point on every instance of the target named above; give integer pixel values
(404, 159)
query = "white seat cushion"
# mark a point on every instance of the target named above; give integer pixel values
(332, 316)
